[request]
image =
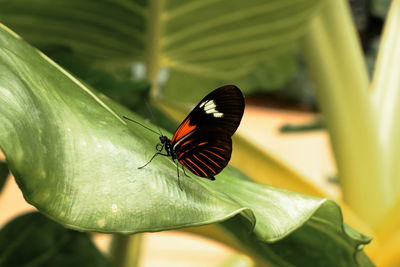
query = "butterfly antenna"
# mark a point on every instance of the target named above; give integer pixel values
(152, 116)
(126, 118)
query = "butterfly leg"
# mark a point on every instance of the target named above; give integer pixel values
(177, 172)
(183, 169)
(156, 154)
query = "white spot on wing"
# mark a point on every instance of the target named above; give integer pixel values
(211, 108)
(210, 104)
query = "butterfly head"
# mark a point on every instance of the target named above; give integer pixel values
(166, 143)
(163, 139)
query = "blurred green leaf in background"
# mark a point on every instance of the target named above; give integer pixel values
(34, 240)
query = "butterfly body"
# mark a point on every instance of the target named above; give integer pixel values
(202, 143)
(166, 144)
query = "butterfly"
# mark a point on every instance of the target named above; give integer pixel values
(202, 143)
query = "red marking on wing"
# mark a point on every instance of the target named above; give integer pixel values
(218, 148)
(187, 150)
(183, 130)
(205, 174)
(210, 159)
(204, 164)
(190, 167)
(214, 154)
(181, 155)
(186, 142)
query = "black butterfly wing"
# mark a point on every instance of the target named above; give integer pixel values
(203, 142)
(205, 153)
(222, 109)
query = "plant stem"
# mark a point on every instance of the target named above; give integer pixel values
(335, 60)
(125, 250)
(154, 45)
(386, 97)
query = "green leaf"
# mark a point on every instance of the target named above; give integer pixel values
(96, 30)
(319, 240)
(132, 94)
(272, 74)
(224, 41)
(76, 160)
(121, 89)
(34, 240)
